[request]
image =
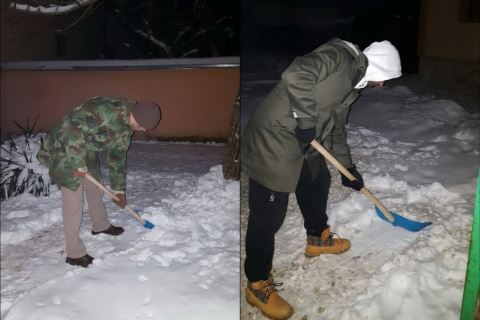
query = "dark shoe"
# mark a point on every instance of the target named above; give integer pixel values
(84, 261)
(113, 231)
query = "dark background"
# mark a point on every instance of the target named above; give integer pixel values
(297, 27)
(131, 29)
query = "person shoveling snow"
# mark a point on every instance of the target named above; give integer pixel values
(70, 150)
(311, 102)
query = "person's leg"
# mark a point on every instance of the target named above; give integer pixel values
(96, 208)
(312, 197)
(72, 210)
(267, 212)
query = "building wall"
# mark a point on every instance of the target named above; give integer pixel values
(448, 47)
(196, 103)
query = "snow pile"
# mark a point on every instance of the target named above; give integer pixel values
(185, 267)
(20, 220)
(424, 278)
(431, 136)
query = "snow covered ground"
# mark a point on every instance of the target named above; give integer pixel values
(186, 267)
(420, 157)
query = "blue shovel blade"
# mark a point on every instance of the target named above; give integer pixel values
(403, 222)
(147, 224)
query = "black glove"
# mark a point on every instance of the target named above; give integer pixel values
(305, 136)
(356, 184)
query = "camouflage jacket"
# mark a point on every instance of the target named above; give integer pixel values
(100, 124)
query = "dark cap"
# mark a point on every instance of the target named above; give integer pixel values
(147, 114)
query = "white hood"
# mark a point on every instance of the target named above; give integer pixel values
(383, 63)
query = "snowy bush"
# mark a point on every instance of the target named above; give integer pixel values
(20, 171)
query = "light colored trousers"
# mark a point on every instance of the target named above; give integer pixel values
(72, 211)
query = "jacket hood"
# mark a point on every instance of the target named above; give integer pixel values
(383, 63)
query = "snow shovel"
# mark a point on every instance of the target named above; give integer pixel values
(382, 212)
(145, 223)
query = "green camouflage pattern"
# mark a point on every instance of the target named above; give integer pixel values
(100, 124)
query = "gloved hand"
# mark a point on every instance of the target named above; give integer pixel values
(81, 172)
(356, 184)
(305, 136)
(123, 201)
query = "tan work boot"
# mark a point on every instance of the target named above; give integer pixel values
(263, 295)
(325, 244)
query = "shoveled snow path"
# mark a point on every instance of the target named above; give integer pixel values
(187, 266)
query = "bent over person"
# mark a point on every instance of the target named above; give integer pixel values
(311, 102)
(70, 150)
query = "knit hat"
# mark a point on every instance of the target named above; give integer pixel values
(147, 114)
(383, 63)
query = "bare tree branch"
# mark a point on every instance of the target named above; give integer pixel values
(89, 10)
(60, 7)
(82, 19)
(78, 20)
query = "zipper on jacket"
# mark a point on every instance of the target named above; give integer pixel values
(346, 96)
(331, 138)
(272, 196)
(356, 77)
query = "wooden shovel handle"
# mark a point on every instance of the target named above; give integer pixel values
(345, 172)
(102, 187)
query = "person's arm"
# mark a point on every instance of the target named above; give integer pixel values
(336, 141)
(300, 79)
(117, 165)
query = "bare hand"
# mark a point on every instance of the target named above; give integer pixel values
(81, 172)
(122, 200)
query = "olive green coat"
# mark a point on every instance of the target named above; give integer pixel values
(100, 124)
(316, 91)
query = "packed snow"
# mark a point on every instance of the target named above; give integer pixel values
(187, 266)
(420, 157)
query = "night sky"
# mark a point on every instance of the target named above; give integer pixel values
(300, 26)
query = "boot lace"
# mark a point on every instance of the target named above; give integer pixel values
(330, 237)
(271, 287)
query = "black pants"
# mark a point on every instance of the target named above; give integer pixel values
(267, 212)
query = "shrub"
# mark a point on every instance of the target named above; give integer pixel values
(20, 171)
